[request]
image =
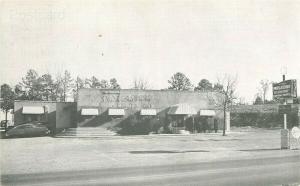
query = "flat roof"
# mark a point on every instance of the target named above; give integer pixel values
(37, 101)
(150, 90)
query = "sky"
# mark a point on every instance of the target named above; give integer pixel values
(152, 40)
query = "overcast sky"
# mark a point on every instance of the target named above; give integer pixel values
(152, 40)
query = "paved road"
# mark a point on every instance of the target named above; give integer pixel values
(267, 171)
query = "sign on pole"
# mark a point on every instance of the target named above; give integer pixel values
(285, 89)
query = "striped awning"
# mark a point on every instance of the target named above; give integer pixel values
(182, 109)
(116, 112)
(33, 110)
(148, 112)
(207, 113)
(89, 112)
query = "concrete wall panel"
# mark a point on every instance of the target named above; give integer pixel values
(65, 115)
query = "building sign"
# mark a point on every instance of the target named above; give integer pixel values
(285, 89)
(126, 101)
(284, 109)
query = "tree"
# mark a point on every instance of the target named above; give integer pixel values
(179, 82)
(87, 83)
(104, 84)
(7, 95)
(141, 84)
(30, 85)
(94, 82)
(264, 87)
(114, 84)
(78, 84)
(217, 87)
(258, 101)
(57, 88)
(204, 85)
(20, 94)
(228, 91)
(47, 87)
(64, 85)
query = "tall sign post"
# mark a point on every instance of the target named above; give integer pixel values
(285, 90)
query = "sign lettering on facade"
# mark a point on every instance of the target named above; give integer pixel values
(125, 101)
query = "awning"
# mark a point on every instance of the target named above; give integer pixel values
(33, 110)
(148, 112)
(116, 112)
(89, 112)
(182, 109)
(207, 113)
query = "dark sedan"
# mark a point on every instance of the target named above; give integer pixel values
(28, 130)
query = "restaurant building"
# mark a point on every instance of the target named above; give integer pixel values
(185, 110)
(127, 111)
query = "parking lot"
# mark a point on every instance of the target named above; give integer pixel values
(47, 154)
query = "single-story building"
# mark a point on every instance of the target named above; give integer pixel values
(56, 115)
(128, 111)
(117, 108)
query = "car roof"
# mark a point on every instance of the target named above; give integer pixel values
(30, 124)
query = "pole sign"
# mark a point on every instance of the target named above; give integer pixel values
(284, 109)
(285, 89)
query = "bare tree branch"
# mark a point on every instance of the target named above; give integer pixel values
(139, 83)
(227, 88)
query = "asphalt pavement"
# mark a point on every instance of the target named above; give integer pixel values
(264, 171)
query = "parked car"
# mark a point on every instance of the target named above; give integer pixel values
(28, 129)
(6, 124)
(2, 128)
(3, 123)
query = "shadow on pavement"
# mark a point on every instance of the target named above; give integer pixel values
(165, 151)
(225, 139)
(260, 149)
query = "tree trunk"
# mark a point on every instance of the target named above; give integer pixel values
(224, 123)
(5, 127)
